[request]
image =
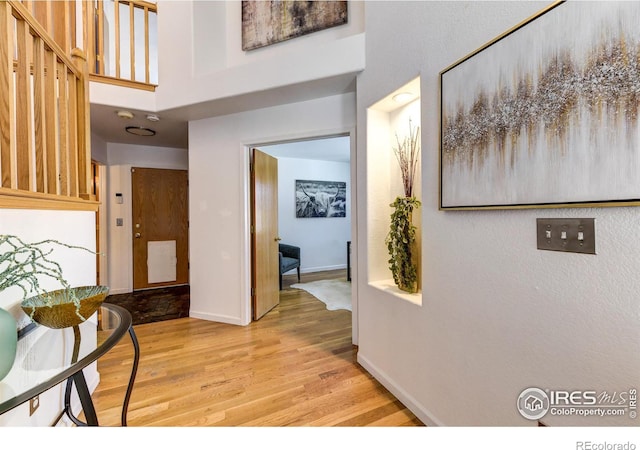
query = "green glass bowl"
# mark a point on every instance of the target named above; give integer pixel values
(56, 309)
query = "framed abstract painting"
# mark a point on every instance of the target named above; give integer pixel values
(269, 22)
(546, 115)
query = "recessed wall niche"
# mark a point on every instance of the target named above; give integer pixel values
(388, 120)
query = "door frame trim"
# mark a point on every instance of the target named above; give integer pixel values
(245, 254)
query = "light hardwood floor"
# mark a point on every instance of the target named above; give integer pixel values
(294, 367)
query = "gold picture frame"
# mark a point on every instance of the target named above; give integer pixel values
(546, 114)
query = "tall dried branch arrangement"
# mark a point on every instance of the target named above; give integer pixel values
(407, 153)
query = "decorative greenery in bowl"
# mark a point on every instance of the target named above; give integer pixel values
(23, 264)
(58, 309)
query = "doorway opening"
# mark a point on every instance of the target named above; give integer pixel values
(314, 207)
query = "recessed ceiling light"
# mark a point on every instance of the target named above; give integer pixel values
(140, 131)
(152, 117)
(125, 114)
(402, 97)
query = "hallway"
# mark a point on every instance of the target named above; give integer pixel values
(294, 367)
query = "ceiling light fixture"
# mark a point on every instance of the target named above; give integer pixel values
(125, 114)
(140, 131)
(402, 97)
(153, 117)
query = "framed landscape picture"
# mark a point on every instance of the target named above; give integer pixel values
(268, 22)
(320, 198)
(546, 115)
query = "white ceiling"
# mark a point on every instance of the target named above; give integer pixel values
(336, 148)
(173, 131)
(111, 128)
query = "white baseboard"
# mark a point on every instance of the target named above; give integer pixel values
(216, 318)
(407, 400)
(320, 268)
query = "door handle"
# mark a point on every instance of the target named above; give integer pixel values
(138, 235)
(278, 239)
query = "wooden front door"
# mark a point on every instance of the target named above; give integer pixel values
(265, 269)
(160, 227)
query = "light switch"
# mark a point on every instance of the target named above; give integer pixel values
(567, 235)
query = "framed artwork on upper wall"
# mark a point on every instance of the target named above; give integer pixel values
(268, 22)
(547, 114)
(321, 198)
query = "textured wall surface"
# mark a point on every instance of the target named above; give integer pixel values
(497, 314)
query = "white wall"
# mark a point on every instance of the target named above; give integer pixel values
(122, 97)
(147, 156)
(219, 189)
(216, 67)
(98, 149)
(497, 314)
(209, 36)
(79, 268)
(122, 158)
(322, 241)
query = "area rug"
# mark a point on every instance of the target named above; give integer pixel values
(336, 294)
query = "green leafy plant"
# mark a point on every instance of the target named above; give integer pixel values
(21, 265)
(400, 243)
(402, 233)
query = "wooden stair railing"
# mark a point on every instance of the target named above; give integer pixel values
(45, 156)
(125, 28)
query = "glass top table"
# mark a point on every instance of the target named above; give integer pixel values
(44, 360)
